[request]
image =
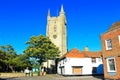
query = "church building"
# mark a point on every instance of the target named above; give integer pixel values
(56, 30)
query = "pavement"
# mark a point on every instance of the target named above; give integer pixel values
(56, 77)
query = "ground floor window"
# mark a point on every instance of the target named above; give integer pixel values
(111, 64)
(94, 70)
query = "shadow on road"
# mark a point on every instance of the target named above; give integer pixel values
(99, 76)
(2, 79)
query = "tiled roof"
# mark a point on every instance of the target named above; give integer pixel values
(75, 53)
(92, 54)
(115, 26)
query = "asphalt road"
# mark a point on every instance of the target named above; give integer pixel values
(56, 77)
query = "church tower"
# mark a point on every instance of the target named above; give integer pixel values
(56, 30)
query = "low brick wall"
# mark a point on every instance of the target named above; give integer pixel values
(9, 75)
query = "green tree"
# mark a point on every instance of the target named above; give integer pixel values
(11, 61)
(2, 60)
(10, 54)
(41, 48)
(21, 62)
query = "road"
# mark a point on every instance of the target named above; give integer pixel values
(57, 77)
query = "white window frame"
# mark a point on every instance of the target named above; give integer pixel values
(119, 39)
(100, 59)
(108, 66)
(106, 43)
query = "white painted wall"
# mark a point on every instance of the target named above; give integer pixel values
(87, 64)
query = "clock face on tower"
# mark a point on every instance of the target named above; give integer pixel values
(54, 36)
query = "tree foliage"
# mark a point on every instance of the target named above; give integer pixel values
(10, 54)
(41, 48)
(10, 60)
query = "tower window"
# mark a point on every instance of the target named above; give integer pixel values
(55, 29)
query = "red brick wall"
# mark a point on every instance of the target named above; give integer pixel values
(115, 51)
(118, 66)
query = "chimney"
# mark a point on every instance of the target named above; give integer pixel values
(86, 48)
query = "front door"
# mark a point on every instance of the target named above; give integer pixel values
(77, 70)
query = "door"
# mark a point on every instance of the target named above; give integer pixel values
(77, 70)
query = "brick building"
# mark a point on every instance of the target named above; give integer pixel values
(111, 51)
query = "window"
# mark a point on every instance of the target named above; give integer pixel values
(100, 59)
(108, 44)
(111, 64)
(119, 39)
(94, 70)
(93, 60)
(55, 28)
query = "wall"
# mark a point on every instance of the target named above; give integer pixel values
(114, 52)
(85, 63)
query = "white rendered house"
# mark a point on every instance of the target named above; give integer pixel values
(80, 63)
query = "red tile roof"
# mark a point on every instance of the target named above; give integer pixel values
(92, 54)
(75, 53)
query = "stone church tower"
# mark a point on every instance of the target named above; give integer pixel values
(56, 30)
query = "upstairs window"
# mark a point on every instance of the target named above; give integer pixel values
(93, 60)
(119, 39)
(108, 44)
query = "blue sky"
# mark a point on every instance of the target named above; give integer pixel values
(86, 21)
